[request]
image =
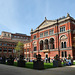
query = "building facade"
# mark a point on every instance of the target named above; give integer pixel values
(8, 42)
(53, 37)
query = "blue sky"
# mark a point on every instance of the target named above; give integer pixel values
(19, 16)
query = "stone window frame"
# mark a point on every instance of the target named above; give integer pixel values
(34, 36)
(46, 33)
(51, 32)
(41, 34)
(62, 29)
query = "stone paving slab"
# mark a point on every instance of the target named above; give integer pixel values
(12, 70)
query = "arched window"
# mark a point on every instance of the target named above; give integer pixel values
(64, 44)
(62, 54)
(46, 43)
(41, 45)
(65, 54)
(53, 46)
(51, 43)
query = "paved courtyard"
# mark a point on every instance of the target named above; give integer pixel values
(11, 70)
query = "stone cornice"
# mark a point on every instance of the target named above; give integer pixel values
(52, 35)
(59, 22)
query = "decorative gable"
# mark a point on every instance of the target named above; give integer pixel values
(45, 24)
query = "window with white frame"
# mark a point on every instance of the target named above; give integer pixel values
(41, 34)
(62, 29)
(51, 32)
(46, 33)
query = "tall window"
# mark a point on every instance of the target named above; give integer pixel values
(34, 36)
(35, 48)
(27, 50)
(0, 49)
(62, 54)
(64, 44)
(41, 45)
(53, 46)
(62, 29)
(51, 32)
(41, 34)
(46, 33)
(65, 54)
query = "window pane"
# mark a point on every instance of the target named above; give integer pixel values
(64, 44)
(34, 36)
(62, 29)
(65, 54)
(34, 48)
(51, 32)
(41, 34)
(46, 33)
(62, 54)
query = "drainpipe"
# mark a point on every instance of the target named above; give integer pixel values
(58, 38)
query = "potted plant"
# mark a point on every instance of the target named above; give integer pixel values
(38, 63)
(3, 61)
(10, 60)
(57, 62)
(21, 62)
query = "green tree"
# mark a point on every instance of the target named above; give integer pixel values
(19, 49)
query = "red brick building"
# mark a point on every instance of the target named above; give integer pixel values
(8, 42)
(53, 37)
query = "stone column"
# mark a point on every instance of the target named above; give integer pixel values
(43, 45)
(48, 44)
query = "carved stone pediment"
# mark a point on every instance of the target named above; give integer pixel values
(45, 24)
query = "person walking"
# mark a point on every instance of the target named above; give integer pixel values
(46, 60)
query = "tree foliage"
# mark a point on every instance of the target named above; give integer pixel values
(19, 48)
